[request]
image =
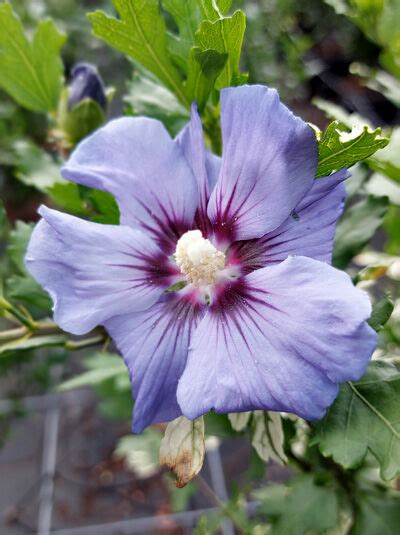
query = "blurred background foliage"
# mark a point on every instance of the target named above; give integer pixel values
(330, 60)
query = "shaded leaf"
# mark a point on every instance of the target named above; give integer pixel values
(365, 416)
(146, 97)
(300, 507)
(187, 16)
(102, 366)
(381, 312)
(21, 285)
(182, 448)
(19, 238)
(340, 148)
(140, 34)
(356, 228)
(31, 72)
(36, 168)
(24, 289)
(377, 514)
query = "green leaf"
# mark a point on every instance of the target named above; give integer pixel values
(357, 226)
(23, 344)
(203, 70)
(36, 168)
(24, 289)
(182, 448)
(365, 416)
(377, 514)
(225, 35)
(91, 378)
(300, 507)
(106, 207)
(101, 368)
(141, 34)
(147, 97)
(340, 148)
(381, 312)
(66, 195)
(268, 436)
(187, 16)
(214, 9)
(31, 72)
(19, 238)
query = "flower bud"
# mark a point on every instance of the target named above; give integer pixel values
(86, 82)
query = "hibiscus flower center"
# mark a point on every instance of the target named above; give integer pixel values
(198, 259)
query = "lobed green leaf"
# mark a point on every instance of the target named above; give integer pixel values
(187, 16)
(377, 513)
(299, 508)
(141, 34)
(339, 148)
(225, 35)
(365, 416)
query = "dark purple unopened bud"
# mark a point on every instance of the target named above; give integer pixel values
(86, 82)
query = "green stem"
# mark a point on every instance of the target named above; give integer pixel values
(73, 345)
(13, 334)
(20, 316)
(30, 327)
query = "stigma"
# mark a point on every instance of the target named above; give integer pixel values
(198, 259)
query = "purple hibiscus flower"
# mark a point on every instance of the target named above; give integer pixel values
(216, 286)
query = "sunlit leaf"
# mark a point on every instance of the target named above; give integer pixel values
(225, 35)
(140, 34)
(339, 148)
(214, 9)
(30, 71)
